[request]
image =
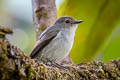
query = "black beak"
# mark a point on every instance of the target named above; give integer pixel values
(77, 21)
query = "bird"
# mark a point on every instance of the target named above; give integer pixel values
(55, 42)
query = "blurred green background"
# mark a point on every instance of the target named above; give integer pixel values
(97, 38)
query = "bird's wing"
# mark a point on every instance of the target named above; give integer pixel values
(44, 39)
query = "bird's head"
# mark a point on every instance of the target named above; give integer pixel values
(68, 22)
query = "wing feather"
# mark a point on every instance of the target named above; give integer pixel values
(44, 40)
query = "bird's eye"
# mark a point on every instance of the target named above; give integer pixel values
(67, 21)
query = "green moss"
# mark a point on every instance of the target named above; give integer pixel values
(42, 27)
(43, 14)
(102, 71)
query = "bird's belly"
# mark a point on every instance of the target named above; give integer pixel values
(57, 49)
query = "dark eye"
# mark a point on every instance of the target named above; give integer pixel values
(67, 21)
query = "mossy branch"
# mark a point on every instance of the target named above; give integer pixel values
(15, 65)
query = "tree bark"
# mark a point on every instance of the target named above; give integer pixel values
(44, 15)
(15, 65)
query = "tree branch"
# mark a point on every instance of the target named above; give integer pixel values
(44, 15)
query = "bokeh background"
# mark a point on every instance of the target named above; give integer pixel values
(97, 38)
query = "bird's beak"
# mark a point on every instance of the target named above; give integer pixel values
(77, 21)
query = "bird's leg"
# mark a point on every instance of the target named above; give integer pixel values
(52, 63)
(37, 60)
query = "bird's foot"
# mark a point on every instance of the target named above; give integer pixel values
(52, 63)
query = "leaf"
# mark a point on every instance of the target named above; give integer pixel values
(99, 22)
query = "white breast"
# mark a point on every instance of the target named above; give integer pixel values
(60, 47)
